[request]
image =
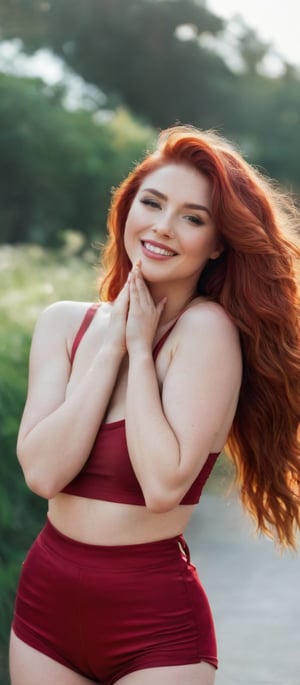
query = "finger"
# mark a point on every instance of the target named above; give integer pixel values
(142, 286)
(124, 293)
(137, 270)
(139, 281)
(122, 300)
(133, 292)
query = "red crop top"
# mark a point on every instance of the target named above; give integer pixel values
(107, 474)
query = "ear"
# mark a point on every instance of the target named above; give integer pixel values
(217, 252)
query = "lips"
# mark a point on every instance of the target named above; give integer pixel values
(158, 249)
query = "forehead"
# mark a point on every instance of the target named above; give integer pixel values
(184, 182)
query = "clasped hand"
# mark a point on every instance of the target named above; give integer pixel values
(134, 316)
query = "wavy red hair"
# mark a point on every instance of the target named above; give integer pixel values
(255, 280)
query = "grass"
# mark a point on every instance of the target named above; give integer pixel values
(32, 278)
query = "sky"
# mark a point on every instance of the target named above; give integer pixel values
(277, 21)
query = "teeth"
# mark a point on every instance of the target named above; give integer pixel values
(158, 250)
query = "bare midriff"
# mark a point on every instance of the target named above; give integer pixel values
(98, 522)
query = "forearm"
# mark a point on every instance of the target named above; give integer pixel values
(153, 447)
(56, 448)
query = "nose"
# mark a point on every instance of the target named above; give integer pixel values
(163, 225)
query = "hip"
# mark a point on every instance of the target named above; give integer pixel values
(137, 598)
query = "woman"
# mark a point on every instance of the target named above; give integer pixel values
(194, 346)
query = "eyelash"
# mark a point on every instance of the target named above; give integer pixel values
(195, 220)
(155, 205)
(151, 203)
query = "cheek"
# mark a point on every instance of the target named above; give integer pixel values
(133, 223)
(200, 249)
(130, 236)
(199, 244)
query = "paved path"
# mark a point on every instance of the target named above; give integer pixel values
(254, 594)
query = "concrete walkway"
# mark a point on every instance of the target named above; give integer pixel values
(254, 592)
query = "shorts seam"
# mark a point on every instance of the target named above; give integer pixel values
(190, 604)
(200, 656)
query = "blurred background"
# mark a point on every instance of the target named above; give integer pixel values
(84, 88)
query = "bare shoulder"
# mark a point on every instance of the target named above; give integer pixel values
(206, 329)
(61, 320)
(65, 310)
(209, 318)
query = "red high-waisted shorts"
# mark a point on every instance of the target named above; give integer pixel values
(107, 611)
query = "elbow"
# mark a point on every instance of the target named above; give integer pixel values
(159, 507)
(36, 480)
(161, 502)
(38, 483)
(39, 486)
(161, 498)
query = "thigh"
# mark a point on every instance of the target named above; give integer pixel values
(193, 674)
(30, 667)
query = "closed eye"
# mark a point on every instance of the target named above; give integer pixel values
(195, 220)
(150, 202)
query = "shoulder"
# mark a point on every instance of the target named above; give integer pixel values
(207, 335)
(60, 321)
(206, 318)
(66, 310)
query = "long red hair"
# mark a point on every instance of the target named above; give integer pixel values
(255, 280)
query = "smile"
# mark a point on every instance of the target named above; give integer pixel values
(158, 250)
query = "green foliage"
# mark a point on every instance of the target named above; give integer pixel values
(57, 167)
(13, 502)
(17, 506)
(133, 50)
(130, 48)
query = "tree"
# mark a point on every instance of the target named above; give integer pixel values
(134, 51)
(131, 48)
(57, 168)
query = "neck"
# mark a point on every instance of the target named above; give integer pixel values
(177, 300)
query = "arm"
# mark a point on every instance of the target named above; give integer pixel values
(170, 437)
(57, 431)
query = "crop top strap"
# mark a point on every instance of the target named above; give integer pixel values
(162, 340)
(89, 315)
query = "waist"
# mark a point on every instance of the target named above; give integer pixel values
(143, 554)
(99, 522)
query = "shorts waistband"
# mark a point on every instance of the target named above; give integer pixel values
(138, 553)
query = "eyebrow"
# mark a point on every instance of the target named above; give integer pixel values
(188, 205)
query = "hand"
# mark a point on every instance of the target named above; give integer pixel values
(116, 329)
(143, 314)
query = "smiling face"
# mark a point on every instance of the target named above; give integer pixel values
(170, 227)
